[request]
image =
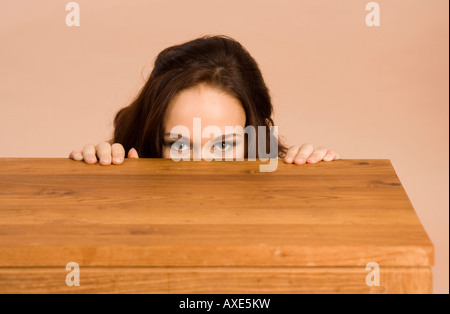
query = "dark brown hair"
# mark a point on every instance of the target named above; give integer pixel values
(219, 61)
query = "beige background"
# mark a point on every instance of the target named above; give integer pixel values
(366, 92)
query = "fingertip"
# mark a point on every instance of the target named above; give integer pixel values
(117, 160)
(300, 161)
(105, 161)
(76, 155)
(133, 153)
(91, 160)
(328, 157)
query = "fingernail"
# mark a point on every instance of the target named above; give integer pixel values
(118, 159)
(327, 157)
(300, 159)
(105, 160)
(78, 156)
(91, 159)
(288, 159)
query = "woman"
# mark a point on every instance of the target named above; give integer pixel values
(213, 78)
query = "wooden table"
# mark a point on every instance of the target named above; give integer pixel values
(159, 226)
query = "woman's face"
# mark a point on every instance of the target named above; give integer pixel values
(207, 137)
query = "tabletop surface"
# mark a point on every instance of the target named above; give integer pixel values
(157, 212)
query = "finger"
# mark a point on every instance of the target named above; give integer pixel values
(337, 157)
(133, 153)
(290, 154)
(104, 153)
(118, 153)
(330, 155)
(76, 154)
(317, 155)
(303, 154)
(89, 154)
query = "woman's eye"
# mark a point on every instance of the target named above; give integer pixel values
(180, 146)
(223, 146)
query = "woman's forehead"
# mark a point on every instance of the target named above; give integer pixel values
(213, 106)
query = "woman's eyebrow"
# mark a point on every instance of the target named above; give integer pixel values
(177, 138)
(225, 136)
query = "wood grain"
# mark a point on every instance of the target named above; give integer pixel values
(216, 280)
(155, 213)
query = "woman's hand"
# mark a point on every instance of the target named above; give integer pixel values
(105, 152)
(307, 154)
